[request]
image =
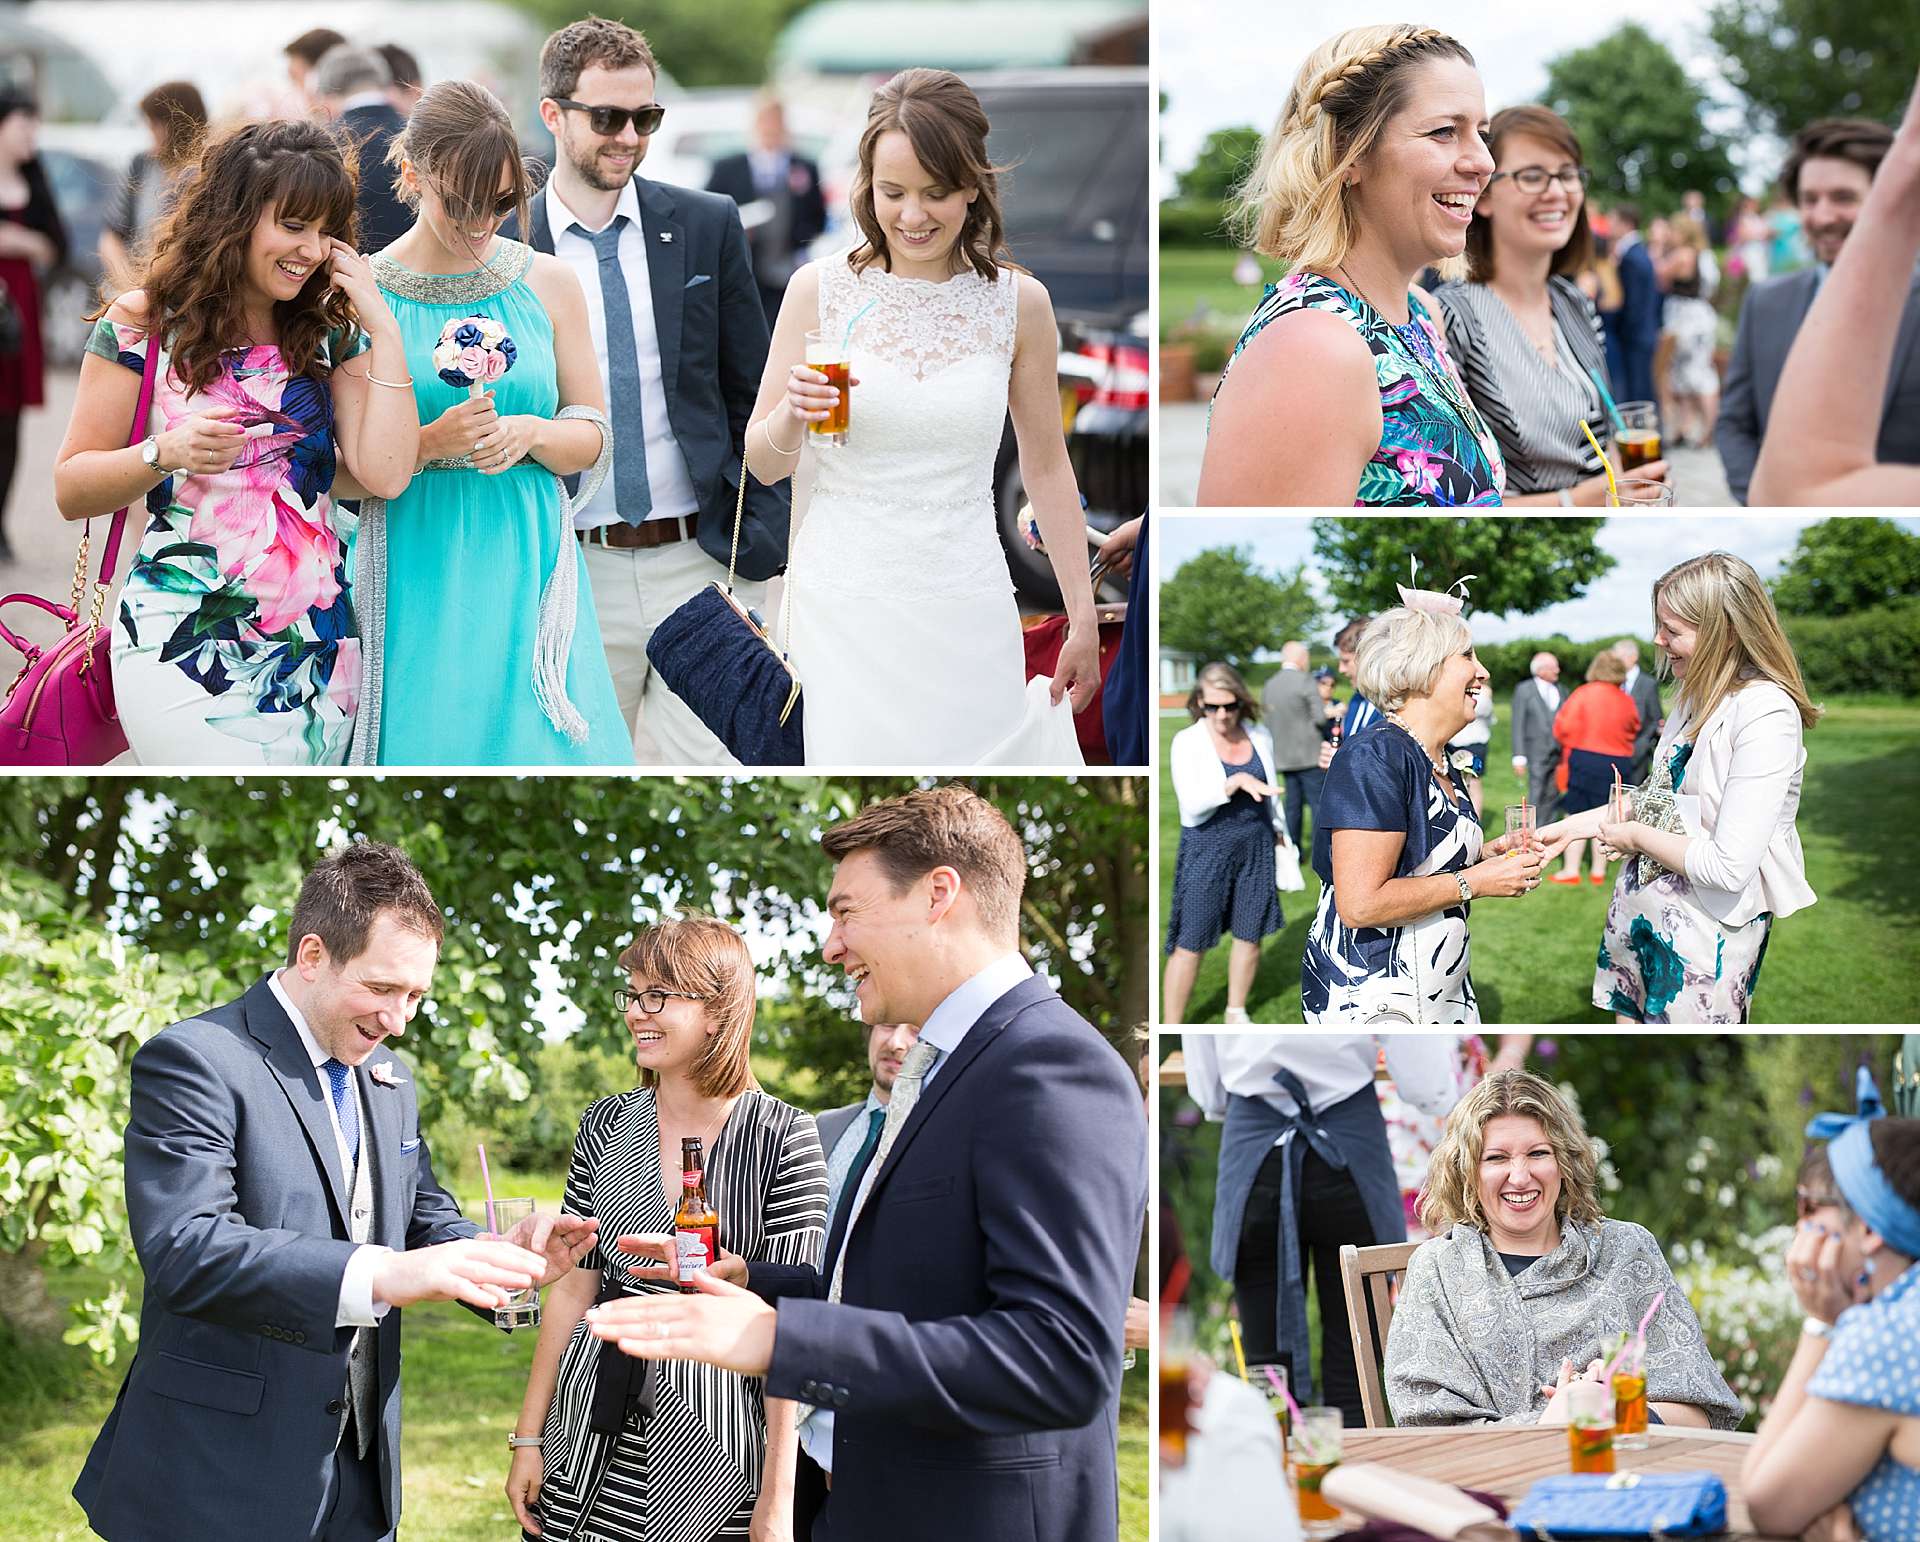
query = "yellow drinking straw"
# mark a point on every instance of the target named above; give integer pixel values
(1239, 1354)
(1613, 492)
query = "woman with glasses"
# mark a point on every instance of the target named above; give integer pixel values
(1230, 818)
(1527, 341)
(483, 646)
(615, 1449)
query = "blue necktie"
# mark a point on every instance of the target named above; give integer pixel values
(343, 1105)
(862, 1160)
(632, 495)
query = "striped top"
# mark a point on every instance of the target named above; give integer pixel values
(706, 1440)
(1533, 407)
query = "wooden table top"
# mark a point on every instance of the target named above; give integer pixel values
(1508, 1461)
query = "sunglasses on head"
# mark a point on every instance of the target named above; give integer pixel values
(606, 121)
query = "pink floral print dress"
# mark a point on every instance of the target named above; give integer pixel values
(235, 641)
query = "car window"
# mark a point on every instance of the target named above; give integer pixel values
(1077, 161)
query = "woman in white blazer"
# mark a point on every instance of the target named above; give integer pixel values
(1716, 856)
(1230, 818)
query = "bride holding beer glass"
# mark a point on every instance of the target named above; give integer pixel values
(905, 634)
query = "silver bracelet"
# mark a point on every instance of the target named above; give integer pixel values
(391, 385)
(521, 1442)
(766, 428)
(1466, 889)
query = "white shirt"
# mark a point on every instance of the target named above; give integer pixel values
(946, 1026)
(769, 170)
(1549, 692)
(667, 474)
(1331, 1067)
(1633, 674)
(357, 1308)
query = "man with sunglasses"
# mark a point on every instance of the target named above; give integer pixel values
(681, 341)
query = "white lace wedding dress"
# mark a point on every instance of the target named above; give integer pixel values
(905, 633)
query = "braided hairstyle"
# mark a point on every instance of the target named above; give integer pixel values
(1294, 206)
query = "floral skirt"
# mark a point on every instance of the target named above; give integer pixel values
(1664, 959)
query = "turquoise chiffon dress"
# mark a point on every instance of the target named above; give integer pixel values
(481, 649)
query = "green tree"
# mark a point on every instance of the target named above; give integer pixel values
(1219, 605)
(1517, 565)
(697, 42)
(1843, 565)
(1798, 60)
(1639, 119)
(1222, 165)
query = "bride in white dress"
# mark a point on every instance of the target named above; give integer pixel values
(905, 633)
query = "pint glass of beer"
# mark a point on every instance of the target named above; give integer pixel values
(1637, 437)
(828, 355)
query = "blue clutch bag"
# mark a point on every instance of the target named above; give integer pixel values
(1626, 1504)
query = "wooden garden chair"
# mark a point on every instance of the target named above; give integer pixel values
(1366, 1277)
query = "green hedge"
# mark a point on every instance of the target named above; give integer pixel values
(1193, 222)
(1870, 650)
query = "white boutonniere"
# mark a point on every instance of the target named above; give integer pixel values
(383, 1073)
(1461, 760)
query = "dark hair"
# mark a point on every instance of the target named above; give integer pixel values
(947, 127)
(950, 826)
(344, 894)
(1544, 124)
(1859, 140)
(1627, 214)
(1226, 678)
(1896, 1152)
(401, 65)
(177, 110)
(1348, 637)
(310, 45)
(579, 46)
(458, 137)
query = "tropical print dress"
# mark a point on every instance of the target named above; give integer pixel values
(235, 641)
(1663, 958)
(1435, 449)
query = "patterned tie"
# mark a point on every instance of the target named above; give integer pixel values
(632, 494)
(343, 1105)
(906, 1093)
(862, 1160)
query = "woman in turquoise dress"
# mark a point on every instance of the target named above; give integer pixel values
(478, 624)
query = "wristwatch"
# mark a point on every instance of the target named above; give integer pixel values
(1466, 889)
(150, 453)
(1813, 1327)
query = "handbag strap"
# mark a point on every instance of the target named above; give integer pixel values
(733, 550)
(110, 558)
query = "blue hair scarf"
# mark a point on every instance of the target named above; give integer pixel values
(1858, 1176)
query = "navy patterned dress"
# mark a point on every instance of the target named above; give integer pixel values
(1416, 972)
(1224, 878)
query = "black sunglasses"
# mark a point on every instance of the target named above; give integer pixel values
(606, 121)
(1219, 706)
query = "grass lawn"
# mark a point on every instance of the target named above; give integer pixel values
(1850, 958)
(463, 1386)
(1195, 276)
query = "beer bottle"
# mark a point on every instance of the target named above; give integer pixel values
(695, 1224)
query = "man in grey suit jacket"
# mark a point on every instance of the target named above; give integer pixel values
(1536, 702)
(1294, 713)
(1645, 692)
(283, 1203)
(1827, 175)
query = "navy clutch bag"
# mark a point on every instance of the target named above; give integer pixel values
(1626, 1504)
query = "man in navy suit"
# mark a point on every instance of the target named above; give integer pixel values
(962, 1356)
(351, 86)
(1633, 331)
(681, 342)
(283, 1204)
(784, 189)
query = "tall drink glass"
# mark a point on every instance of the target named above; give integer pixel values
(1275, 1377)
(1630, 1400)
(828, 354)
(1176, 1366)
(1636, 437)
(1314, 1452)
(1590, 1427)
(1523, 820)
(523, 1306)
(1632, 493)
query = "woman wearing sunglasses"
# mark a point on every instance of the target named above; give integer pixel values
(482, 643)
(1230, 817)
(1526, 340)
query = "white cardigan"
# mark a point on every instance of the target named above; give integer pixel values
(1200, 781)
(1738, 799)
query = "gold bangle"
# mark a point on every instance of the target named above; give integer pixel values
(766, 428)
(391, 385)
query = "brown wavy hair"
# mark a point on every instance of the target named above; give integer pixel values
(1451, 1193)
(193, 278)
(947, 127)
(707, 959)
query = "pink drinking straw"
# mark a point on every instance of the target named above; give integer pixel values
(488, 1182)
(1293, 1408)
(1636, 1347)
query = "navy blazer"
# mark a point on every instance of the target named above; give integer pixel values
(733, 175)
(973, 1364)
(225, 1427)
(1633, 331)
(383, 217)
(713, 349)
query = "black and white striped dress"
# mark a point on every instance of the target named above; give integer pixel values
(689, 1473)
(1534, 408)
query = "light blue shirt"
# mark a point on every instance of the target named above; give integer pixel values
(945, 1029)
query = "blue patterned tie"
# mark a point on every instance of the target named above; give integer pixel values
(343, 1105)
(632, 495)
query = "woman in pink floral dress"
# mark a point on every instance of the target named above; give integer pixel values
(235, 641)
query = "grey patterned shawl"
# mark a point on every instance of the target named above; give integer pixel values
(1470, 1344)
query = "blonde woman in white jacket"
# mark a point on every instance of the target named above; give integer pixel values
(1230, 817)
(1716, 856)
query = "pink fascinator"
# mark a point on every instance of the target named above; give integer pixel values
(1429, 600)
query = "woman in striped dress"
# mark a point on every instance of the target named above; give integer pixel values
(610, 1449)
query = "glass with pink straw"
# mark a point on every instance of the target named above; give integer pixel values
(523, 1306)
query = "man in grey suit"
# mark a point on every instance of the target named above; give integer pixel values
(283, 1204)
(1645, 692)
(1294, 712)
(1827, 175)
(1536, 702)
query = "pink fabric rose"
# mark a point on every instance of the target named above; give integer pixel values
(472, 363)
(496, 366)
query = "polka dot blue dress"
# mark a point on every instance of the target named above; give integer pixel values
(1224, 878)
(1874, 1361)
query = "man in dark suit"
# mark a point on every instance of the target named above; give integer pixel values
(783, 192)
(1633, 331)
(681, 341)
(1536, 702)
(351, 86)
(1294, 711)
(1645, 693)
(283, 1203)
(967, 1344)
(1827, 175)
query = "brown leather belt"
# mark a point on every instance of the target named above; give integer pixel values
(642, 537)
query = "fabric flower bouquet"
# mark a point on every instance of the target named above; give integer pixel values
(473, 351)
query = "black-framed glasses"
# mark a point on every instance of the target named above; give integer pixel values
(1211, 707)
(652, 1001)
(608, 121)
(1534, 179)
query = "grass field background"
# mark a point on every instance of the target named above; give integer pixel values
(462, 1388)
(1193, 277)
(1852, 957)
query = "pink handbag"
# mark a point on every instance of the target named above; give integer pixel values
(59, 710)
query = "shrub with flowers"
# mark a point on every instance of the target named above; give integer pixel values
(1747, 1310)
